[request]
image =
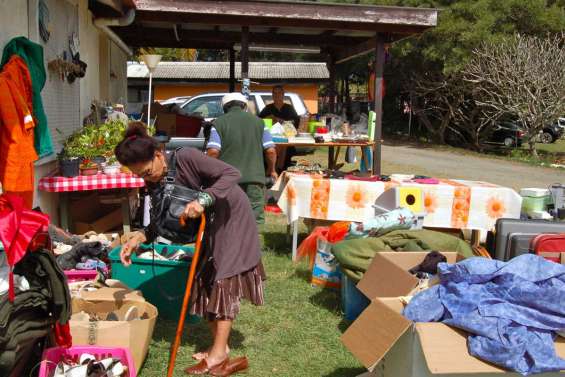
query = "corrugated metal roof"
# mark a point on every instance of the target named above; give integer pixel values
(221, 71)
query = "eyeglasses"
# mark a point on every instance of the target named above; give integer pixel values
(149, 171)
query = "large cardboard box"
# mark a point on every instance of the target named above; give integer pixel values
(103, 224)
(135, 335)
(388, 276)
(389, 345)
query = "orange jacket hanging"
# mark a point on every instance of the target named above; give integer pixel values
(17, 152)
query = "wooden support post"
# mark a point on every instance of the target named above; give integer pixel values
(244, 58)
(331, 82)
(232, 70)
(379, 68)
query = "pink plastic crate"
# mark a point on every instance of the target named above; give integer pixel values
(53, 355)
(80, 275)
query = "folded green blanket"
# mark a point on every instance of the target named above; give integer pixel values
(354, 256)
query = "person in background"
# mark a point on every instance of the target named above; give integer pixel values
(231, 267)
(240, 139)
(279, 111)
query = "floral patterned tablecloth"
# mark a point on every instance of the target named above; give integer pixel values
(448, 204)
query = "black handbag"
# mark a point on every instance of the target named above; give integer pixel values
(168, 202)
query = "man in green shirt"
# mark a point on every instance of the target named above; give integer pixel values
(241, 140)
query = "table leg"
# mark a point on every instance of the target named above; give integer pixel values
(336, 157)
(331, 158)
(294, 239)
(365, 159)
(475, 237)
(64, 217)
(126, 213)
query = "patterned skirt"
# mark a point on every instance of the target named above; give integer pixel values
(220, 299)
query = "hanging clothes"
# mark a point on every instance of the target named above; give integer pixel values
(32, 54)
(17, 152)
(18, 227)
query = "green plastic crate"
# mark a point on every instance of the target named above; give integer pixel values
(161, 282)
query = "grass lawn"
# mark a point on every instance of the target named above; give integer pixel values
(557, 147)
(296, 333)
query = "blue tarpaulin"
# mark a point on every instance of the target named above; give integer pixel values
(511, 309)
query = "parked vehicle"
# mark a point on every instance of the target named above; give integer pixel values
(175, 100)
(507, 134)
(552, 133)
(209, 105)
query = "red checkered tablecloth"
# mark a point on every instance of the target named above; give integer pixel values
(90, 182)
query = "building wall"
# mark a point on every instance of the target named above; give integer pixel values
(309, 92)
(118, 74)
(90, 54)
(13, 22)
(21, 20)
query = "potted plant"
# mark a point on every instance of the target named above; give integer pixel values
(111, 166)
(88, 167)
(69, 157)
(68, 167)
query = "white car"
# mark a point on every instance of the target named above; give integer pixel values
(209, 105)
(175, 100)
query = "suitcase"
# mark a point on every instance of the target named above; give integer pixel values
(506, 226)
(549, 246)
(518, 244)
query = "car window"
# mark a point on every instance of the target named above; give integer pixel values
(268, 99)
(207, 107)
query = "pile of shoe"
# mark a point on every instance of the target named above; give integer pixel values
(88, 366)
(131, 314)
(85, 252)
(166, 254)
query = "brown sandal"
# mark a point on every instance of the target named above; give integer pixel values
(229, 367)
(203, 368)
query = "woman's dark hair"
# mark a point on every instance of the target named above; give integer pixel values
(137, 146)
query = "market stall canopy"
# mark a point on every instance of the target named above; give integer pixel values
(339, 31)
(343, 30)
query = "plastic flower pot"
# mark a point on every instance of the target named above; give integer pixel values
(112, 169)
(69, 168)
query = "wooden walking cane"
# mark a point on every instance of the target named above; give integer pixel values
(185, 302)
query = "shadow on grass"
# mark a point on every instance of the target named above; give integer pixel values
(197, 335)
(328, 299)
(303, 273)
(344, 324)
(345, 372)
(279, 243)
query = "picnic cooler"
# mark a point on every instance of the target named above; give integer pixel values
(549, 246)
(534, 199)
(162, 282)
(52, 356)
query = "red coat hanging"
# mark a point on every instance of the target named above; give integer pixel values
(18, 227)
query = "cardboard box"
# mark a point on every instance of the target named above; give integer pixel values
(167, 122)
(116, 291)
(135, 335)
(103, 224)
(389, 345)
(388, 276)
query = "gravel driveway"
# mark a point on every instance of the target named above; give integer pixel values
(445, 164)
